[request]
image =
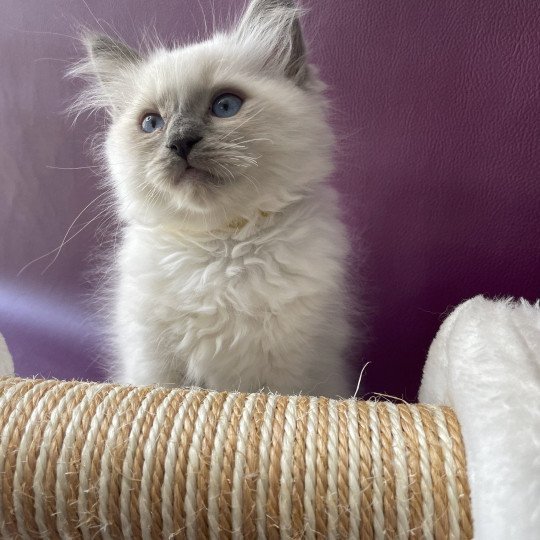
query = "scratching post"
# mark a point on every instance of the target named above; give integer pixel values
(88, 460)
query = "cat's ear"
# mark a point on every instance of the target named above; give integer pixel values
(108, 67)
(272, 28)
(109, 58)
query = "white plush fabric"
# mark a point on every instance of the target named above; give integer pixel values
(6, 362)
(485, 363)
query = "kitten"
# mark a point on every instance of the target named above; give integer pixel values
(231, 268)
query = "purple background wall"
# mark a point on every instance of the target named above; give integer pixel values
(437, 108)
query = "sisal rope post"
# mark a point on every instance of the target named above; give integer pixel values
(87, 460)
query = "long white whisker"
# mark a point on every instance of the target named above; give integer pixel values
(242, 123)
(63, 242)
(72, 168)
(251, 181)
(73, 236)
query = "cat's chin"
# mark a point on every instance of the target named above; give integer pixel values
(194, 175)
(194, 189)
(192, 185)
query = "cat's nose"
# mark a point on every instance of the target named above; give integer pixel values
(182, 147)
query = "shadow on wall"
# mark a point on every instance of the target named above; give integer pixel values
(48, 334)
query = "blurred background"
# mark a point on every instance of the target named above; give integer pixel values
(437, 109)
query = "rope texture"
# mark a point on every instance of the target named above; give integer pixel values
(88, 460)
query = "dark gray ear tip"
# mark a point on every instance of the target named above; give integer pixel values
(278, 3)
(88, 37)
(261, 6)
(95, 43)
(102, 46)
(286, 3)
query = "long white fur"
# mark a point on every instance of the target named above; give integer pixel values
(236, 283)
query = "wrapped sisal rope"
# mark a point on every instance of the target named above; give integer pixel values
(87, 460)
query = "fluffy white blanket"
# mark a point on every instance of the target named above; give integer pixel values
(6, 362)
(485, 363)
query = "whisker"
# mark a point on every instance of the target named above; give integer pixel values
(65, 239)
(242, 123)
(72, 168)
(72, 237)
(251, 181)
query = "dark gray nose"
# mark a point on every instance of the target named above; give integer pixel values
(182, 147)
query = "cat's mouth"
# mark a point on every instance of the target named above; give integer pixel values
(193, 174)
(193, 185)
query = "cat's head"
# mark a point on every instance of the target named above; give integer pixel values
(214, 131)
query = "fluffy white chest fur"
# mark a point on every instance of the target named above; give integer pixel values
(260, 307)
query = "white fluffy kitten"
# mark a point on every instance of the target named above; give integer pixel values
(231, 269)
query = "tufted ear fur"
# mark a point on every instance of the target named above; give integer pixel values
(108, 67)
(272, 28)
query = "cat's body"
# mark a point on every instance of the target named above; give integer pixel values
(231, 268)
(259, 307)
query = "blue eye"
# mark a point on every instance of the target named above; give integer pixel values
(151, 122)
(226, 105)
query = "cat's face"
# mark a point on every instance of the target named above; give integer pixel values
(209, 133)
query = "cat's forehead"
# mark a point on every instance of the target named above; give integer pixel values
(188, 73)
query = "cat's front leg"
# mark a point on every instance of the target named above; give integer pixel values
(141, 358)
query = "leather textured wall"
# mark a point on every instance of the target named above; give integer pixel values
(436, 105)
